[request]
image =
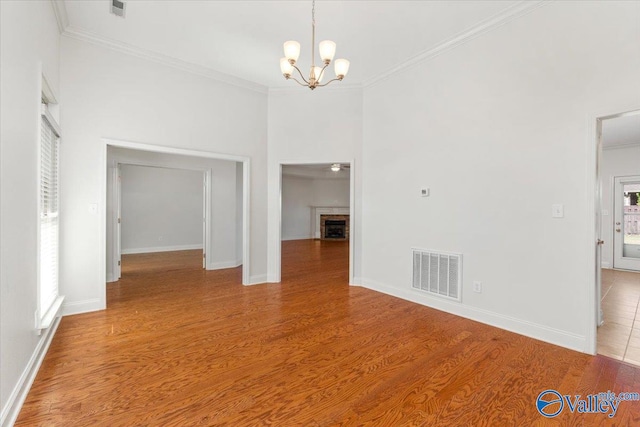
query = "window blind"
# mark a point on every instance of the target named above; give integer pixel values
(49, 215)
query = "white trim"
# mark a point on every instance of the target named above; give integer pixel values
(44, 112)
(154, 249)
(19, 393)
(60, 10)
(171, 150)
(618, 146)
(84, 306)
(48, 92)
(490, 24)
(301, 237)
(605, 265)
(338, 87)
(45, 321)
(257, 280)
(86, 36)
(522, 327)
(221, 265)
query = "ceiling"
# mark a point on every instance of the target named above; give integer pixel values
(316, 171)
(621, 131)
(244, 38)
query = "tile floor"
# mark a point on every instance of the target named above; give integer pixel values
(619, 336)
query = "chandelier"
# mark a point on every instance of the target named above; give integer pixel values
(327, 50)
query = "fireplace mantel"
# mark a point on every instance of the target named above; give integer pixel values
(325, 210)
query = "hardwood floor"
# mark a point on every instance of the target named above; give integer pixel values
(187, 347)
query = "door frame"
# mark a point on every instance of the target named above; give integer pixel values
(352, 229)
(594, 188)
(102, 190)
(618, 247)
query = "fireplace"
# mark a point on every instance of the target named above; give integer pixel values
(334, 227)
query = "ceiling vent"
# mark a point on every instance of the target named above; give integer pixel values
(117, 8)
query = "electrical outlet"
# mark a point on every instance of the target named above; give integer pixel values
(477, 287)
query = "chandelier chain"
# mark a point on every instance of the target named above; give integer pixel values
(313, 33)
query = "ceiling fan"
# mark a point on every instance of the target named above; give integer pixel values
(337, 167)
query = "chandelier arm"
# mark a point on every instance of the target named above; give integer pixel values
(322, 72)
(332, 80)
(301, 75)
(297, 81)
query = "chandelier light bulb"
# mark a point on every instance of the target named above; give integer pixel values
(335, 167)
(286, 67)
(341, 67)
(292, 51)
(327, 51)
(318, 73)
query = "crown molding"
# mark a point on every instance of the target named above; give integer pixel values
(60, 11)
(620, 146)
(490, 24)
(86, 36)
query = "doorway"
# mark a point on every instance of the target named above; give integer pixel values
(617, 295)
(316, 207)
(242, 167)
(626, 236)
(158, 209)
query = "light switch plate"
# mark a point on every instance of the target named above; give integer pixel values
(557, 211)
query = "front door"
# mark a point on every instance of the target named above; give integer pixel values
(626, 235)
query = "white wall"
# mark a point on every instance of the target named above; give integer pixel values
(162, 209)
(29, 47)
(109, 94)
(500, 128)
(622, 161)
(335, 135)
(299, 194)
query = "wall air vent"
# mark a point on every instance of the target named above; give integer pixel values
(438, 273)
(117, 8)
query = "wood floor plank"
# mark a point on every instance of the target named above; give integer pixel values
(179, 346)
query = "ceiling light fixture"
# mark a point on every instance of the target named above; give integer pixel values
(335, 167)
(327, 50)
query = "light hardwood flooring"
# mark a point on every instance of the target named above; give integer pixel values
(179, 346)
(619, 336)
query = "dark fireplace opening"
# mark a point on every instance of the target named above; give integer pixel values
(335, 229)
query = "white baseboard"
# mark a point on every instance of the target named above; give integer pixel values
(160, 249)
(519, 326)
(304, 237)
(357, 281)
(258, 279)
(605, 265)
(17, 397)
(86, 306)
(220, 265)
(111, 278)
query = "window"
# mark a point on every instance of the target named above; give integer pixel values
(48, 299)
